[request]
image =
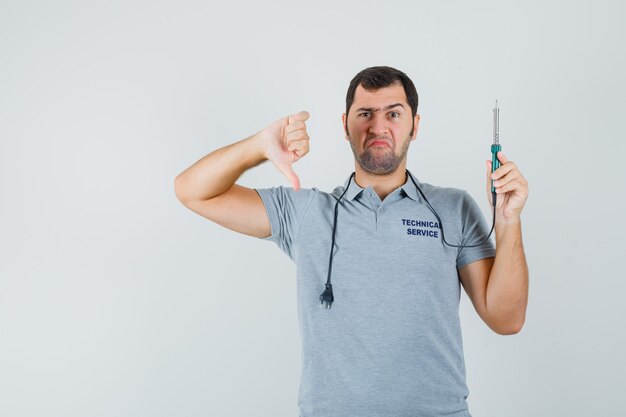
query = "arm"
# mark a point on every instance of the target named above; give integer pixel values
(498, 288)
(208, 186)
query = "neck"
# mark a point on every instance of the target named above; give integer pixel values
(383, 185)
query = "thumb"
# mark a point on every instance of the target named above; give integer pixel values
(488, 172)
(287, 170)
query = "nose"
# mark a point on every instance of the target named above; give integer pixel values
(378, 125)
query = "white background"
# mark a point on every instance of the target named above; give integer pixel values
(116, 300)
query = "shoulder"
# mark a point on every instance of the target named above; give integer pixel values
(443, 194)
(283, 200)
(288, 192)
(303, 195)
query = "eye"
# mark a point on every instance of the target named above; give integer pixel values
(365, 112)
(396, 113)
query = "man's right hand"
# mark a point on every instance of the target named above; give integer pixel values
(208, 186)
(286, 141)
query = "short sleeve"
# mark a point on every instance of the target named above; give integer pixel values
(286, 208)
(475, 230)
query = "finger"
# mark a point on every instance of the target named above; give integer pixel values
(297, 135)
(512, 175)
(502, 158)
(511, 186)
(503, 170)
(298, 143)
(294, 126)
(488, 182)
(299, 154)
(302, 116)
(302, 146)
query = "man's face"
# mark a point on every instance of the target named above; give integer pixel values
(380, 128)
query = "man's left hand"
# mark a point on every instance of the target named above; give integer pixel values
(511, 189)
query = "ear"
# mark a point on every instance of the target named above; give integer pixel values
(344, 121)
(416, 122)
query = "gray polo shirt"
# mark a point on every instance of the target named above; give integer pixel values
(391, 344)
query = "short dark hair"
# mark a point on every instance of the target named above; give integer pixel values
(373, 78)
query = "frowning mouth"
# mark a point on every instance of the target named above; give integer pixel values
(378, 142)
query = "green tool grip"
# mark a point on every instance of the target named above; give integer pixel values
(495, 162)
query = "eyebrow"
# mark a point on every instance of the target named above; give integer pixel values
(371, 109)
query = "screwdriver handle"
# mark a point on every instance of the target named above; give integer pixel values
(495, 162)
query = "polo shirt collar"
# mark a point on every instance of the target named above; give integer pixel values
(408, 187)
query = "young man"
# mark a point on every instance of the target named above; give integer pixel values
(391, 343)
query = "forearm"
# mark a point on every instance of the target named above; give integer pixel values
(216, 172)
(507, 288)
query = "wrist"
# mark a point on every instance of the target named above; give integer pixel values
(506, 229)
(508, 216)
(258, 145)
(504, 221)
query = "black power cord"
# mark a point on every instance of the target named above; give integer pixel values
(327, 298)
